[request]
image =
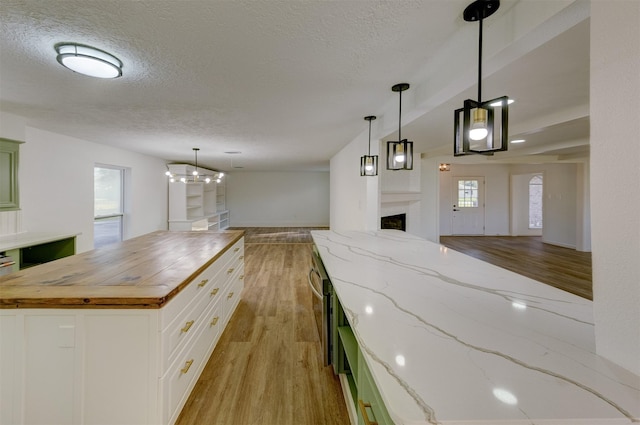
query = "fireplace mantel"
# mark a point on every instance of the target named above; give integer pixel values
(397, 197)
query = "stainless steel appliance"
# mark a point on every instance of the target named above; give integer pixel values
(322, 293)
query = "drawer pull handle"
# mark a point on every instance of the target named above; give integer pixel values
(215, 291)
(237, 249)
(230, 270)
(365, 416)
(202, 283)
(230, 295)
(241, 277)
(242, 257)
(186, 367)
(187, 326)
(214, 321)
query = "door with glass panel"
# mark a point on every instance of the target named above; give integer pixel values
(468, 206)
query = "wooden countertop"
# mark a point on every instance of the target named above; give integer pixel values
(143, 272)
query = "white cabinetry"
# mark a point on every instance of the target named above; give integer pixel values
(115, 366)
(196, 205)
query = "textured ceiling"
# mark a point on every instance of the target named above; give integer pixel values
(286, 83)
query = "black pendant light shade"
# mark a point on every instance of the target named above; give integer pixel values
(400, 153)
(369, 163)
(481, 127)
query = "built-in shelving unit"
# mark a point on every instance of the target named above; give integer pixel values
(196, 205)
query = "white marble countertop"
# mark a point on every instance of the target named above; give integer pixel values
(453, 340)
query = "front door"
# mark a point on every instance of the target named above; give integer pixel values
(468, 206)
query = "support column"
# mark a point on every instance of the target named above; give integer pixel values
(615, 177)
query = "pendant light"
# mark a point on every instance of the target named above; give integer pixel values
(481, 127)
(369, 163)
(400, 153)
(195, 176)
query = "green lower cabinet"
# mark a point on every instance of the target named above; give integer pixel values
(371, 409)
(365, 395)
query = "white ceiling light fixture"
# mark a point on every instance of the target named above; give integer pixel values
(518, 141)
(500, 102)
(88, 60)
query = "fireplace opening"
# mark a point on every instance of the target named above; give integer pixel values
(396, 222)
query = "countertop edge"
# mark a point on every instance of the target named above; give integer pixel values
(115, 302)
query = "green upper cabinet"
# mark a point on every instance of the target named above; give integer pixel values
(9, 193)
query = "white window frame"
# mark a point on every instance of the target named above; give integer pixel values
(541, 184)
(120, 214)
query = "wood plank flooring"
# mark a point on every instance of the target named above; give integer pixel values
(564, 268)
(267, 368)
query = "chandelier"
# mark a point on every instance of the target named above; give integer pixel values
(195, 176)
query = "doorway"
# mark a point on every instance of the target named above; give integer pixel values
(468, 206)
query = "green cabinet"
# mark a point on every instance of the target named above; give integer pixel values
(349, 360)
(30, 249)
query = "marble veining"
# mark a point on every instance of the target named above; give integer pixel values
(450, 339)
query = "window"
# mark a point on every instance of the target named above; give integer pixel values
(535, 202)
(108, 197)
(468, 193)
(9, 150)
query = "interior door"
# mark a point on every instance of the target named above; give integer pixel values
(468, 206)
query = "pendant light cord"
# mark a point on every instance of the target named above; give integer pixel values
(480, 63)
(369, 138)
(400, 119)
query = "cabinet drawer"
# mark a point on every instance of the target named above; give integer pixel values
(196, 289)
(233, 293)
(201, 285)
(183, 373)
(178, 335)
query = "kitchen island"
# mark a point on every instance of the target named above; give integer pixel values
(451, 340)
(117, 335)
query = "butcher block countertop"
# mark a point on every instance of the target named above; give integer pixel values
(143, 272)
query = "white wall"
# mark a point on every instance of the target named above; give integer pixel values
(559, 205)
(561, 211)
(615, 174)
(430, 206)
(278, 199)
(56, 185)
(354, 199)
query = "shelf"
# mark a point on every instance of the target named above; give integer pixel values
(350, 347)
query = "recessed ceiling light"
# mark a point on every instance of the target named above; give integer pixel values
(88, 60)
(496, 104)
(518, 141)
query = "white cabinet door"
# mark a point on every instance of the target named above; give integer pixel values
(9, 343)
(120, 368)
(49, 361)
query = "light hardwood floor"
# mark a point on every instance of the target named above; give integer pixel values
(266, 368)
